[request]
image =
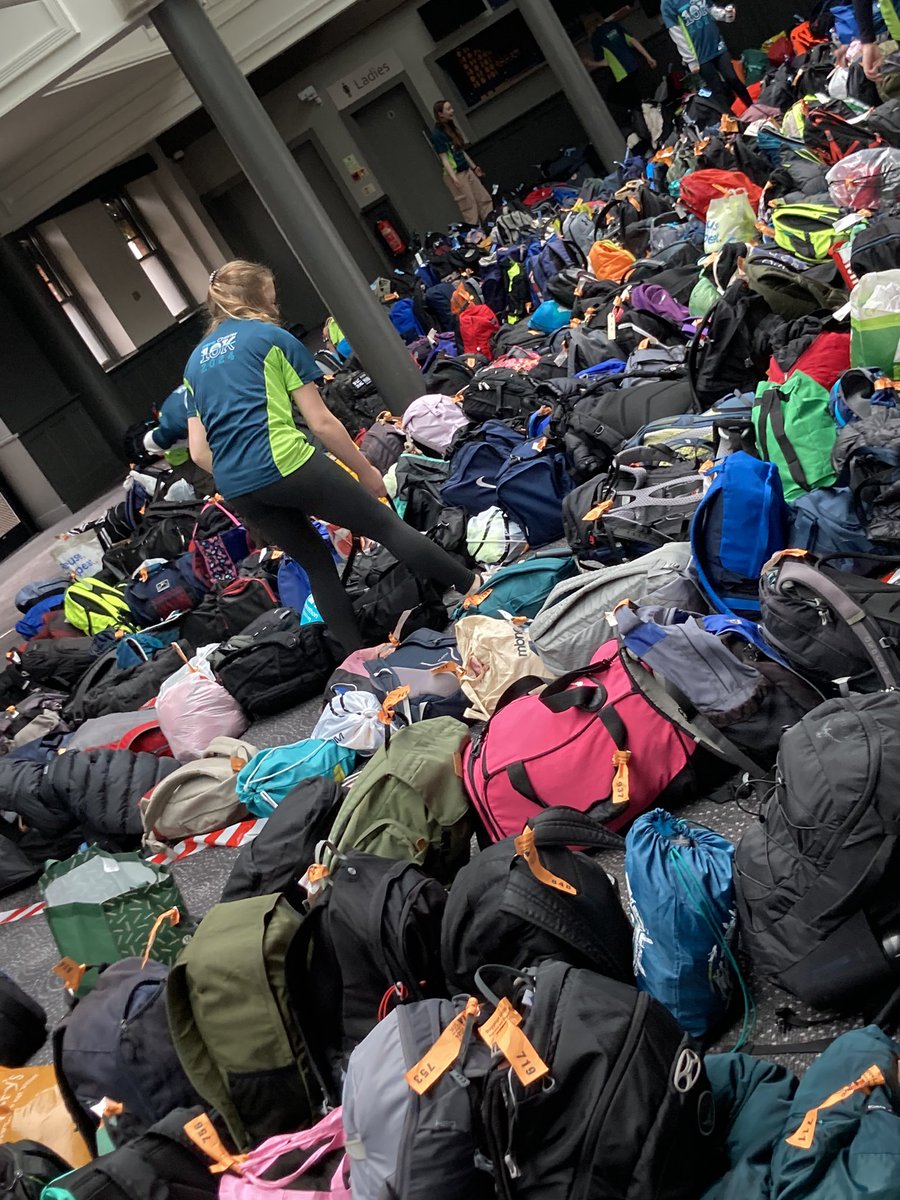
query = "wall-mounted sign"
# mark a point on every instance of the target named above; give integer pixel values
(364, 79)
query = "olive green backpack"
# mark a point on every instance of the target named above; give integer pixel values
(409, 803)
(233, 1025)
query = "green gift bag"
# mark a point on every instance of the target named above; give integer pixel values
(104, 907)
(875, 322)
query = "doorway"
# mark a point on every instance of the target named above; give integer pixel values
(396, 141)
(251, 233)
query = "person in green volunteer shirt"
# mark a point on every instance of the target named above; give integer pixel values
(614, 49)
(243, 379)
(462, 177)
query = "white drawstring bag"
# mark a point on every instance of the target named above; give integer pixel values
(353, 719)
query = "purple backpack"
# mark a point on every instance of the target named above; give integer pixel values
(653, 298)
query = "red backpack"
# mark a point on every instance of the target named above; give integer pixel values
(699, 187)
(476, 327)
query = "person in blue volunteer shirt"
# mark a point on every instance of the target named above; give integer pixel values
(692, 26)
(243, 378)
(172, 430)
(614, 49)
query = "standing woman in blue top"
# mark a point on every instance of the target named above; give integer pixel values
(461, 175)
(243, 379)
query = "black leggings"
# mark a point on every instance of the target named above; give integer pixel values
(719, 75)
(320, 486)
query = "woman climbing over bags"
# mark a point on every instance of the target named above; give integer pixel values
(242, 378)
(461, 176)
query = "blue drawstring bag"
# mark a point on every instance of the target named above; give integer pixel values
(681, 892)
(292, 583)
(32, 622)
(310, 614)
(269, 775)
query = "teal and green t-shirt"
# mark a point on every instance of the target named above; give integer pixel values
(241, 377)
(443, 144)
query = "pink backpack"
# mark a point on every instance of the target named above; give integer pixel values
(323, 1140)
(432, 421)
(588, 738)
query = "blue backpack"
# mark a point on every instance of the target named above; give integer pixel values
(739, 524)
(32, 622)
(825, 521)
(40, 589)
(167, 588)
(531, 487)
(269, 775)
(404, 320)
(680, 880)
(548, 261)
(549, 316)
(475, 465)
(521, 588)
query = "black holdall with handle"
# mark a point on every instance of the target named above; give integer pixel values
(26, 1167)
(832, 625)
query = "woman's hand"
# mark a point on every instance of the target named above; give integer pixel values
(871, 61)
(479, 171)
(370, 478)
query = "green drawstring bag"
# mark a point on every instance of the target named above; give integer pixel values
(875, 322)
(702, 297)
(104, 907)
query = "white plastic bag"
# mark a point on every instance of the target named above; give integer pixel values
(729, 219)
(866, 179)
(198, 662)
(195, 710)
(78, 554)
(352, 719)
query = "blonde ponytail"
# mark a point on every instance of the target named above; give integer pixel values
(239, 291)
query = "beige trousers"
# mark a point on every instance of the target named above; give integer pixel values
(470, 194)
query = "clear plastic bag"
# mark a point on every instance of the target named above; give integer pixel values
(193, 711)
(875, 322)
(729, 219)
(866, 179)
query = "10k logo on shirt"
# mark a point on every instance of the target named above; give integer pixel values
(218, 351)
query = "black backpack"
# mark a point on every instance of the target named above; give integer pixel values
(624, 1109)
(103, 689)
(816, 878)
(831, 137)
(286, 844)
(162, 1164)
(274, 663)
(133, 442)
(115, 1042)
(729, 352)
(26, 1168)
(885, 121)
(353, 398)
(499, 394)
(57, 662)
(874, 248)
(832, 625)
(370, 941)
(448, 375)
(506, 906)
(23, 1024)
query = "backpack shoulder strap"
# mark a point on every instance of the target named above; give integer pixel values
(882, 655)
(772, 411)
(85, 1126)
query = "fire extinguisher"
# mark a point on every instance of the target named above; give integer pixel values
(395, 242)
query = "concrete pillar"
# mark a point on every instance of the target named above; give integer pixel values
(575, 79)
(70, 357)
(292, 204)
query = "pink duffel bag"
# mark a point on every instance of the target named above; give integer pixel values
(324, 1161)
(589, 740)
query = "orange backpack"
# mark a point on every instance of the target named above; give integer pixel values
(609, 260)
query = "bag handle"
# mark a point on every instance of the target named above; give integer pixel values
(334, 1141)
(881, 655)
(569, 827)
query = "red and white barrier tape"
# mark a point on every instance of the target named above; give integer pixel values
(233, 836)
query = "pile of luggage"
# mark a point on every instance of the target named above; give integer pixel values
(661, 415)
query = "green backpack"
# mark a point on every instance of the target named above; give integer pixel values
(91, 606)
(409, 803)
(807, 230)
(233, 1025)
(796, 432)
